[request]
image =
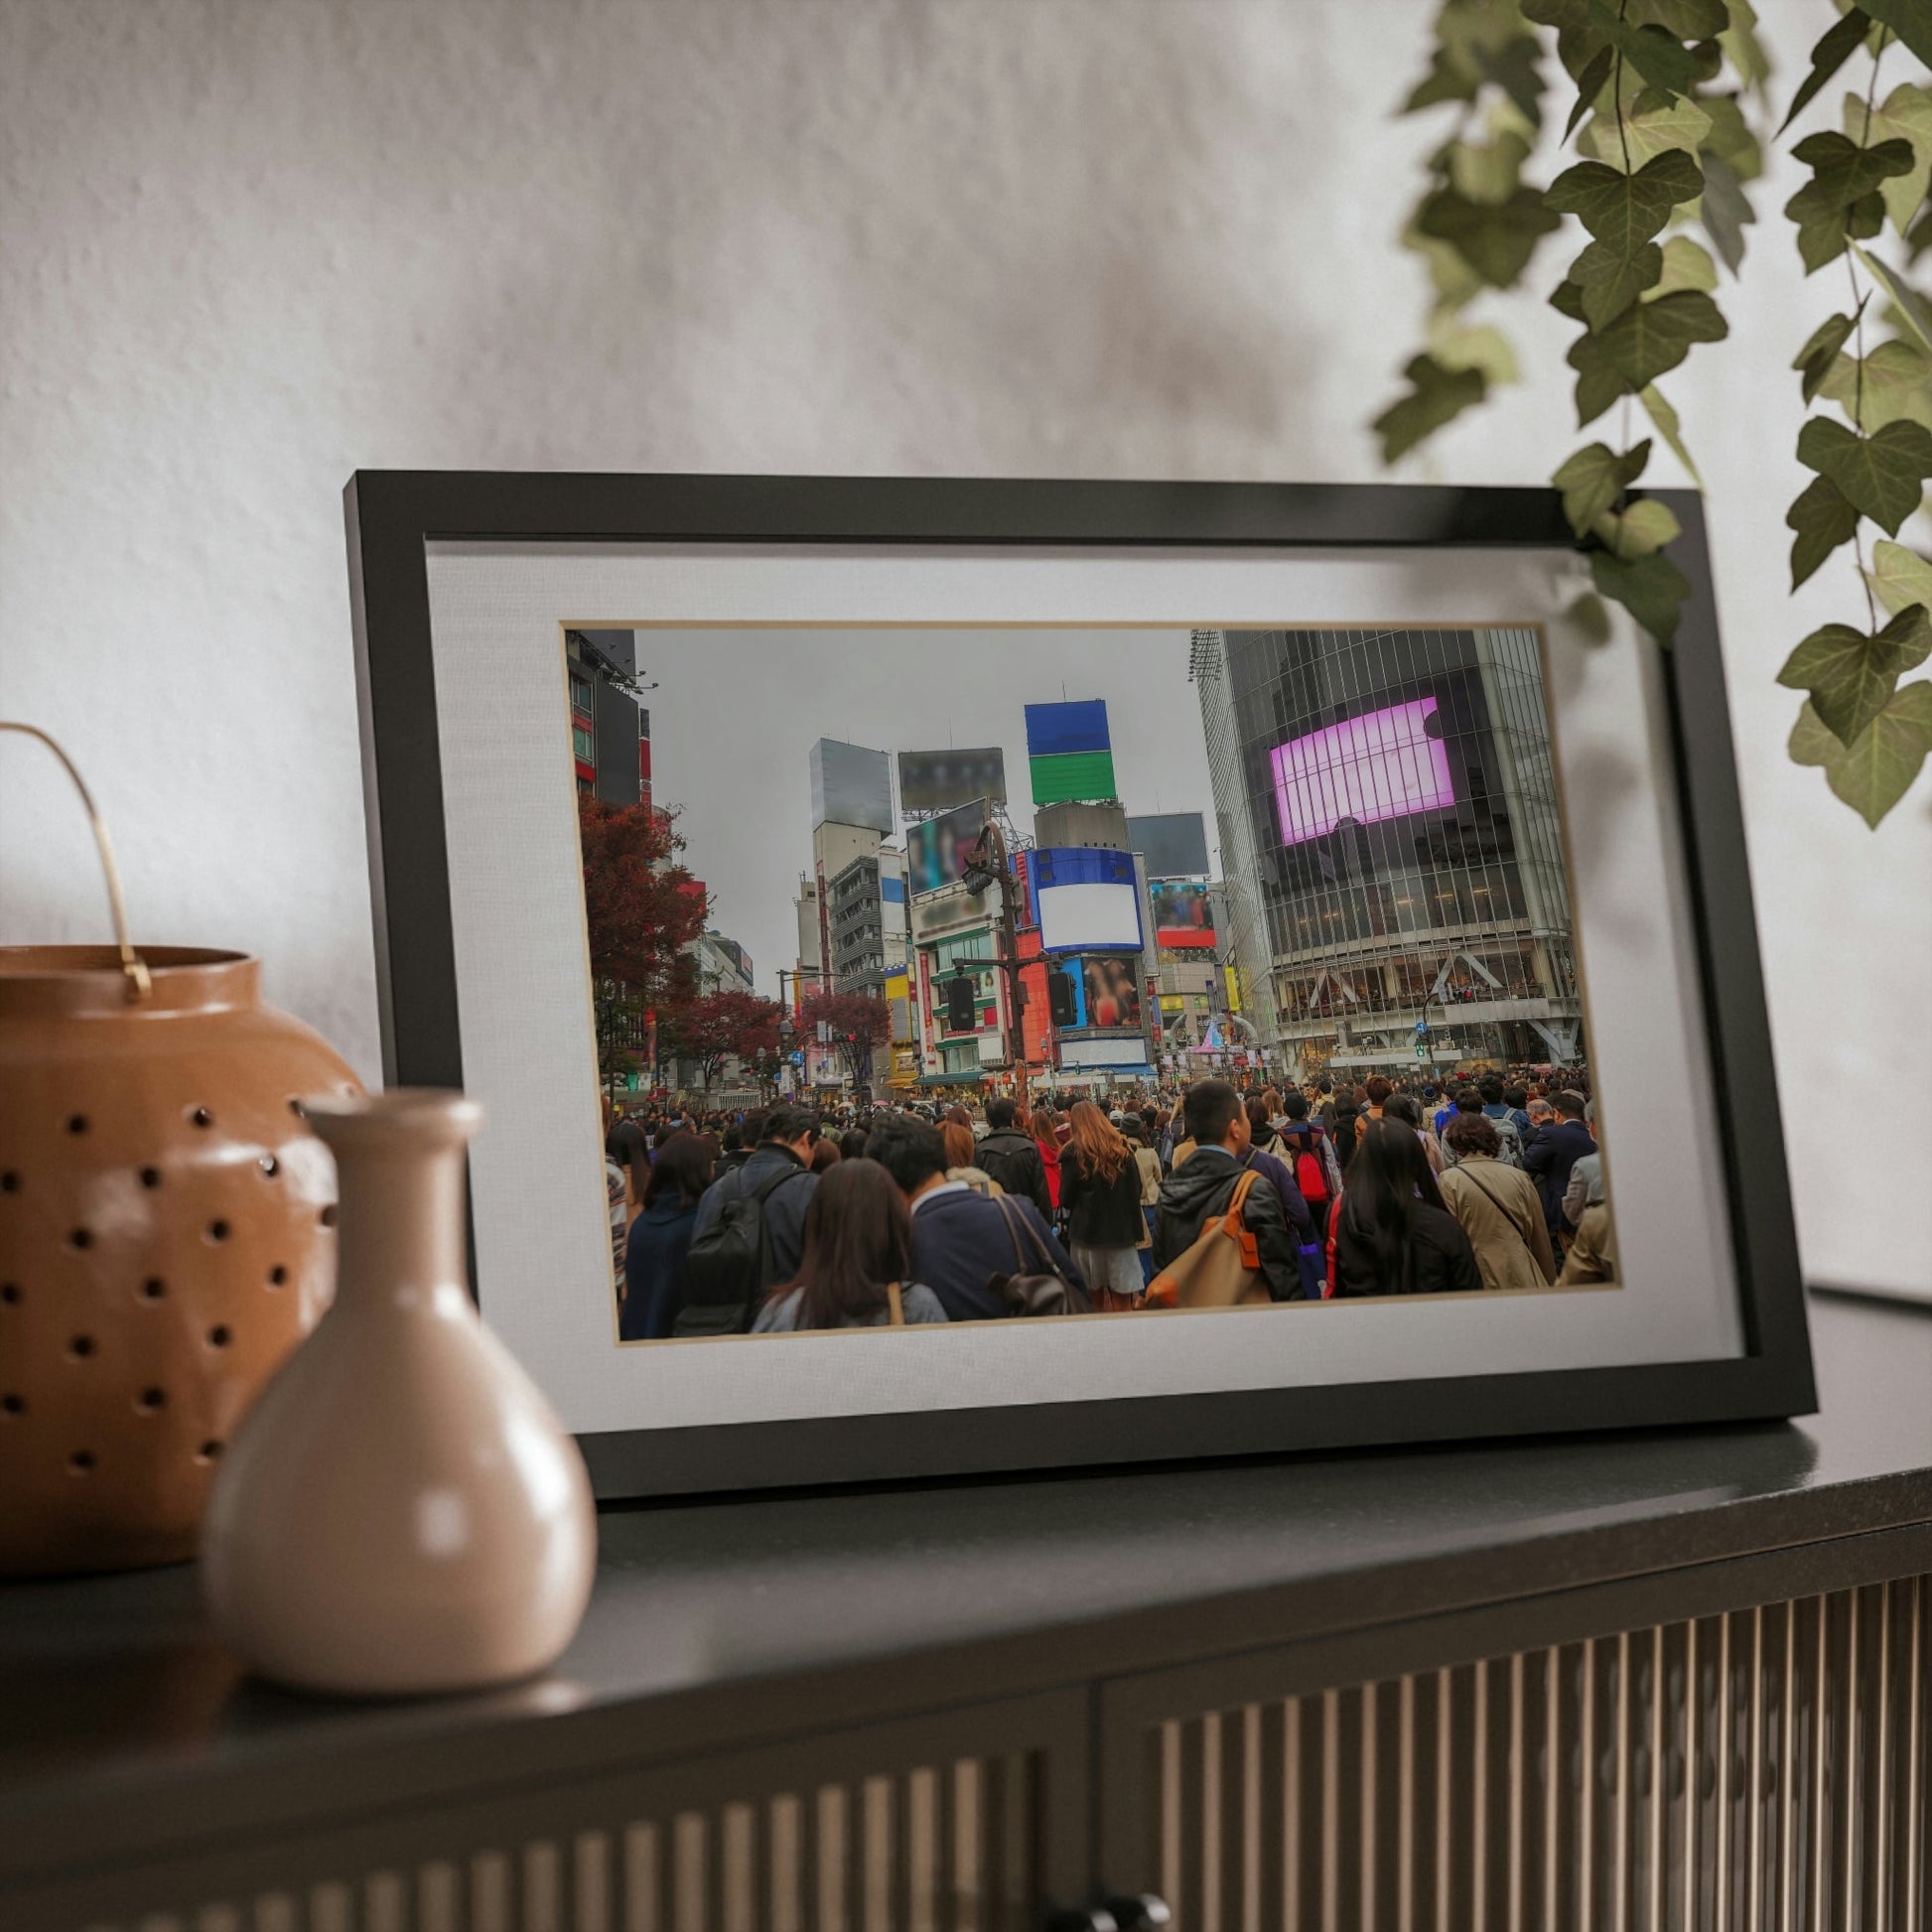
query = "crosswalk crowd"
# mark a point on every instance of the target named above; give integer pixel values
(795, 1217)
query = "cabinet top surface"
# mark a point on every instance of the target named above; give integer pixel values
(924, 1595)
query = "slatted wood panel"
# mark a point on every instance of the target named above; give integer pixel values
(1761, 1771)
(951, 1847)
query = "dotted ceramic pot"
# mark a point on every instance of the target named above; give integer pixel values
(166, 1232)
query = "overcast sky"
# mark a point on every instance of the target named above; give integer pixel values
(736, 712)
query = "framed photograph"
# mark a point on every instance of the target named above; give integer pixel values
(948, 794)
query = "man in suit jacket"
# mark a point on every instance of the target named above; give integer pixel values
(960, 1238)
(1555, 1151)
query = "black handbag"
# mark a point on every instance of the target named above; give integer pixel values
(1043, 1290)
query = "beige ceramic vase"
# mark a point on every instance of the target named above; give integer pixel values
(400, 1511)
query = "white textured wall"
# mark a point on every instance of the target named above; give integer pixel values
(248, 248)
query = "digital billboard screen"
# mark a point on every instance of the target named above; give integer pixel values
(936, 849)
(1183, 916)
(1174, 844)
(1087, 898)
(1385, 763)
(931, 781)
(851, 785)
(1113, 991)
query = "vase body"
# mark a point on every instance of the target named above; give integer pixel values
(166, 1239)
(401, 1511)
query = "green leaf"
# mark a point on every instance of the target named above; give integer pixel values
(1593, 478)
(1725, 210)
(1689, 20)
(1450, 78)
(1851, 676)
(1656, 53)
(1742, 48)
(1652, 589)
(1834, 48)
(1665, 417)
(1685, 266)
(1656, 123)
(1490, 172)
(1591, 82)
(1517, 70)
(1610, 283)
(1639, 530)
(1906, 115)
(1567, 299)
(1436, 396)
(1900, 576)
(1821, 349)
(1911, 20)
(1623, 211)
(1646, 341)
(1580, 39)
(1496, 239)
(1842, 198)
(1876, 770)
(1881, 475)
(1731, 137)
(1455, 345)
(1897, 387)
(1823, 520)
(1909, 303)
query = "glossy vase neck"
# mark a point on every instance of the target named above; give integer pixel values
(399, 1159)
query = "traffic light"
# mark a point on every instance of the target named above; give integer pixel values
(1060, 997)
(962, 1013)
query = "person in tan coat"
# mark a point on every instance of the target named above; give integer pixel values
(1498, 1206)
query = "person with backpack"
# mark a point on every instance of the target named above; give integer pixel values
(964, 1242)
(856, 1271)
(1497, 1111)
(751, 1228)
(1310, 1158)
(1498, 1206)
(660, 1239)
(1202, 1191)
(1012, 1158)
(1390, 1233)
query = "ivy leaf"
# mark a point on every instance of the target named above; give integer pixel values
(1652, 589)
(1900, 577)
(1457, 346)
(1685, 266)
(1592, 480)
(1437, 396)
(1580, 39)
(1823, 520)
(1881, 475)
(1496, 238)
(1655, 123)
(1906, 115)
(1842, 198)
(1623, 211)
(1897, 387)
(1609, 283)
(1450, 78)
(1567, 299)
(1911, 20)
(1837, 46)
(1731, 137)
(1516, 68)
(1909, 303)
(1821, 349)
(1689, 20)
(1725, 210)
(1639, 530)
(1646, 341)
(1665, 417)
(1488, 171)
(1875, 772)
(1742, 48)
(1655, 52)
(1590, 84)
(1851, 676)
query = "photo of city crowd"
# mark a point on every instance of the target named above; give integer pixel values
(1023, 973)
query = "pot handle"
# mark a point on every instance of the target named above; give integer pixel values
(139, 985)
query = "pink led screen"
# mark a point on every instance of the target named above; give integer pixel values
(1382, 765)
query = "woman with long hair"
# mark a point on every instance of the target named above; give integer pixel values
(1405, 1108)
(854, 1271)
(1391, 1232)
(962, 1157)
(1037, 1126)
(825, 1153)
(1100, 1190)
(660, 1238)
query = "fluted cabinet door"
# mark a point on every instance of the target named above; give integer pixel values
(1754, 1770)
(966, 1820)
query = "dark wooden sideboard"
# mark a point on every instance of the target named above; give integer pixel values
(1666, 1680)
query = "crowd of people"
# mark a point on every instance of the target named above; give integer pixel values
(793, 1217)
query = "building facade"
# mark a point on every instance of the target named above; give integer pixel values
(865, 915)
(1395, 886)
(610, 731)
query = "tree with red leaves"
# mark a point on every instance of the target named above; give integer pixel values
(719, 1026)
(641, 910)
(858, 1023)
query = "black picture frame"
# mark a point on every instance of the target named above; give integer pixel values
(393, 515)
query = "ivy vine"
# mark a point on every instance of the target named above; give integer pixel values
(1665, 92)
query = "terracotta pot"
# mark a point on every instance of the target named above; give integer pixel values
(401, 1510)
(164, 1239)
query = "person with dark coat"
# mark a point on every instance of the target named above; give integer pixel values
(1552, 1152)
(1201, 1189)
(1272, 1161)
(962, 1238)
(1391, 1233)
(1100, 1195)
(1011, 1158)
(660, 1238)
(783, 1157)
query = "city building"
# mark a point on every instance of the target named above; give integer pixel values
(1394, 880)
(610, 731)
(866, 919)
(724, 966)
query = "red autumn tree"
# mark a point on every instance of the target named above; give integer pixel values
(718, 1026)
(641, 910)
(859, 1024)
